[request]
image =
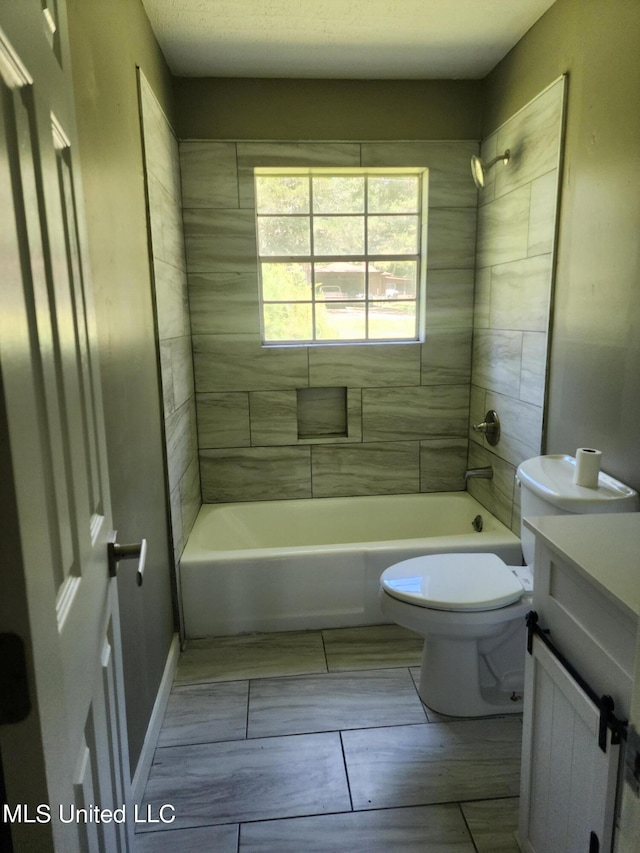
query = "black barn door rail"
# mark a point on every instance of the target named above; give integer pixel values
(605, 704)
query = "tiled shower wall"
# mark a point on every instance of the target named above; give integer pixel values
(514, 274)
(407, 405)
(172, 315)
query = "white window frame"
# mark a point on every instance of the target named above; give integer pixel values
(420, 257)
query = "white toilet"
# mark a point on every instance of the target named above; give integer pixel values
(471, 608)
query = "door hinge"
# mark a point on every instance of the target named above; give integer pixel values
(14, 688)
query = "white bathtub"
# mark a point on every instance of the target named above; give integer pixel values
(308, 564)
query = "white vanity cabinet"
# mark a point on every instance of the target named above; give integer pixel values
(587, 597)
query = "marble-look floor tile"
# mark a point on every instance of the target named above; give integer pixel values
(204, 839)
(427, 829)
(205, 713)
(493, 824)
(252, 656)
(437, 762)
(374, 647)
(331, 702)
(246, 780)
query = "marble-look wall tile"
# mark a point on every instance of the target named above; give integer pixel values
(542, 214)
(172, 303)
(224, 303)
(449, 302)
(488, 152)
(397, 414)
(451, 238)
(181, 370)
(516, 234)
(497, 360)
(289, 154)
(477, 411)
(495, 494)
(365, 469)
(446, 356)
(163, 184)
(165, 217)
(532, 136)
(223, 420)
(182, 442)
(482, 299)
(255, 474)
(450, 184)
(220, 240)
(363, 366)
(520, 428)
(160, 144)
(503, 228)
(443, 462)
(534, 367)
(190, 496)
(166, 376)
(209, 174)
(177, 535)
(520, 294)
(240, 363)
(273, 417)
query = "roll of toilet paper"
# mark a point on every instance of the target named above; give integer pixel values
(587, 467)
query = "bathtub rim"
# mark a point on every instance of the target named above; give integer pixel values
(196, 556)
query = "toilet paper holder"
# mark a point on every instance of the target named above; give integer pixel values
(490, 427)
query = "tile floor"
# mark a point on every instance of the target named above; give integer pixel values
(318, 742)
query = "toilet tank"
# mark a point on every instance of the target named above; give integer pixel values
(548, 488)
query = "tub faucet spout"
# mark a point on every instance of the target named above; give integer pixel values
(479, 473)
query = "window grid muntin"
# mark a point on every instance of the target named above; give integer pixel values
(316, 260)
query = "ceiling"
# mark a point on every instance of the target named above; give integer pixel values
(358, 39)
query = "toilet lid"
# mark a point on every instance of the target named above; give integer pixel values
(453, 582)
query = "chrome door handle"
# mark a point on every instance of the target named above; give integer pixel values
(116, 552)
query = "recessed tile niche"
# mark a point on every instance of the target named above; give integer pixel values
(322, 412)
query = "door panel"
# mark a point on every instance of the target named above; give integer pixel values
(71, 751)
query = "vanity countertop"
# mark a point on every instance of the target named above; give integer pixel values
(603, 547)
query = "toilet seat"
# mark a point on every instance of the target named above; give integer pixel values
(459, 582)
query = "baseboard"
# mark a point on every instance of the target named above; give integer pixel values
(140, 777)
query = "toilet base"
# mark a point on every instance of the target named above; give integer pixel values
(452, 681)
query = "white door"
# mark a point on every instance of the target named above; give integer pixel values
(66, 761)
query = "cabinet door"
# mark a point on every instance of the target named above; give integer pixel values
(568, 786)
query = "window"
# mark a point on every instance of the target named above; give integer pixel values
(341, 254)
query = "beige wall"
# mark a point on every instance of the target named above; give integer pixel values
(594, 383)
(107, 41)
(327, 109)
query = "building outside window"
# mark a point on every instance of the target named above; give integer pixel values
(341, 255)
